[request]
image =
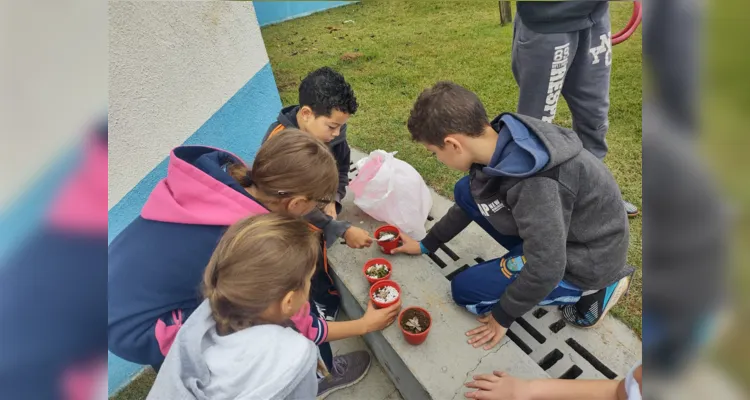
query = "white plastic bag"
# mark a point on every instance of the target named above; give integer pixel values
(391, 190)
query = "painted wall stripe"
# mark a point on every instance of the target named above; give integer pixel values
(273, 12)
(238, 126)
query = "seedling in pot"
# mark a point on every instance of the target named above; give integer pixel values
(415, 324)
(378, 271)
(385, 294)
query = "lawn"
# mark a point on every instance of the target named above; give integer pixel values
(390, 51)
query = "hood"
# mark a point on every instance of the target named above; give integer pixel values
(198, 190)
(262, 362)
(288, 118)
(526, 146)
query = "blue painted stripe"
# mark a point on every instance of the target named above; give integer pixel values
(238, 126)
(273, 12)
(25, 213)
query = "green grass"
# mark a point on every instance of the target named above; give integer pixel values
(137, 389)
(408, 46)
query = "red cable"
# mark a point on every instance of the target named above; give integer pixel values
(635, 20)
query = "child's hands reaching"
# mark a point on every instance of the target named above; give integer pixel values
(357, 238)
(490, 332)
(498, 386)
(409, 246)
(379, 319)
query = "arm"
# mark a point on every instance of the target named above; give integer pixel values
(543, 220)
(342, 153)
(452, 223)
(501, 386)
(331, 228)
(373, 320)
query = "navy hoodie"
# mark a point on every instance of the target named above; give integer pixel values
(562, 201)
(156, 263)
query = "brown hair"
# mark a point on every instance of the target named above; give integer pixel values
(291, 163)
(256, 263)
(444, 109)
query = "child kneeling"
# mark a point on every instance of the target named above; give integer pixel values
(240, 342)
(537, 192)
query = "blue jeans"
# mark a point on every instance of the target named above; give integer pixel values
(480, 287)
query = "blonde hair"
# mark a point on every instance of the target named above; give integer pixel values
(291, 163)
(256, 263)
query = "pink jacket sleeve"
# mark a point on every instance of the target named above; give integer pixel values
(310, 325)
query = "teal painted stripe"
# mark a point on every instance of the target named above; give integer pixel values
(238, 126)
(273, 12)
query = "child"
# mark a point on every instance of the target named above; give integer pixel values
(533, 188)
(156, 263)
(565, 48)
(501, 386)
(326, 101)
(238, 344)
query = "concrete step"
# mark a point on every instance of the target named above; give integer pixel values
(538, 345)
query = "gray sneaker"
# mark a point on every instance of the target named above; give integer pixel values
(347, 370)
(630, 209)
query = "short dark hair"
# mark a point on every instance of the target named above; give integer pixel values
(324, 90)
(444, 109)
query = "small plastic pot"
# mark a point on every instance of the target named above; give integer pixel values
(415, 338)
(379, 284)
(388, 246)
(372, 262)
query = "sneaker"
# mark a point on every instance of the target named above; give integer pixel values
(591, 308)
(347, 370)
(630, 209)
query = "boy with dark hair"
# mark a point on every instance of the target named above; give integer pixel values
(326, 101)
(537, 192)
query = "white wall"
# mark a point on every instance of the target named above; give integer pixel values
(172, 65)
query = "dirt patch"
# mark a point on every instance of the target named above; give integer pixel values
(410, 325)
(351, 56)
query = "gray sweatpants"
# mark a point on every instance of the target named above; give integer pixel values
(574, 64)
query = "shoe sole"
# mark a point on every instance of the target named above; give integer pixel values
(633, 215)
(326, 394)
(622, 288)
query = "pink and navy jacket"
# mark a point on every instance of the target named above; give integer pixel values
(156, 263)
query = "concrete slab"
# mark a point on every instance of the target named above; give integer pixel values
(538, 346)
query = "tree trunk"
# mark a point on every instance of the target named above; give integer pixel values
(505, 15)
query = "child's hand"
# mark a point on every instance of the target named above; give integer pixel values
(498, 386)
(490, 331)
(357, 238)
(409, 246)
(379, 319)
(331, 210)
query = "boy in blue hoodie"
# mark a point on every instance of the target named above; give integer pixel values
(537, 192)
(326, 101)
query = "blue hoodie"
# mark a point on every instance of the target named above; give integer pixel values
(156, 263)
(519, 153)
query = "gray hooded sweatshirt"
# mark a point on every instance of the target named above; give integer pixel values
(562, 201)
(265, 362)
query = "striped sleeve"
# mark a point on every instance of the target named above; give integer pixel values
(310, 325)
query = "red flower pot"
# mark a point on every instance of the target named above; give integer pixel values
(388, 246)
(372, 262)
(379, 284)
(415, 338)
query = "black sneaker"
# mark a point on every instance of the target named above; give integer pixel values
(347, 370)
(591, 308)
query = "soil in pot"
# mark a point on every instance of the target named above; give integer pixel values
(415, 321)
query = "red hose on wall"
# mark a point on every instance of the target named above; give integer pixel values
(635, 20)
